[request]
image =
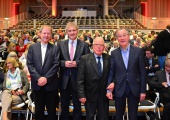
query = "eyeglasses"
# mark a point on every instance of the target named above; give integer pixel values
(100, 45)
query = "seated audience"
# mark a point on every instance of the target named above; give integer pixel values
(15, 86)
(161, 81)
(20, 48)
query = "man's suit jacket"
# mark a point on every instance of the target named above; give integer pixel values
(135, 74)
(82, 48)
(49, 68)
(162, 43)
(89, 84)
(153, 68)
(160, 76)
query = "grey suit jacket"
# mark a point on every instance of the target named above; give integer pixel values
(89, 83)
(81, 49)
(49, 68)
(135, 74)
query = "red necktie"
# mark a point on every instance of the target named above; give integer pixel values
(72, 51)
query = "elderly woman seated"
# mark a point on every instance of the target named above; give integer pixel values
(15, 87)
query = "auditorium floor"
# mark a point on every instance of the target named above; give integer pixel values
(22, 117)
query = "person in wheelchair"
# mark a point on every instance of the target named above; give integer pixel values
(15, 87)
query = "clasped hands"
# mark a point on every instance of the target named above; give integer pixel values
(70, 64)
(42, 81)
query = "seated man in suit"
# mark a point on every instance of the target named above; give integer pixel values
(92, 80)
(162, 81)
(151, 64)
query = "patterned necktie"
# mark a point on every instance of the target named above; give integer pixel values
(72, 51)
(99, 65)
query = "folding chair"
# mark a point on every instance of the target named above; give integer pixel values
(149, 105)
(17, 107)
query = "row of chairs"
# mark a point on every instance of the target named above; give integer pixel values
(144, 106)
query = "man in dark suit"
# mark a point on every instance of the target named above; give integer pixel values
(43, 64)
(127, 76)
(151, 64)
(161, 45)
(162, 81)
(91, 83)
(70, 52)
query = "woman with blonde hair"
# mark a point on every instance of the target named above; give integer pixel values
(15, 86)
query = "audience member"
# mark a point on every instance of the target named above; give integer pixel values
(161, 81)
(161, 46)
(20, 48)
(15, 86)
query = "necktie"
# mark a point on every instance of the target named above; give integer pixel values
(99, 65)
(150, 62)
(71, 51)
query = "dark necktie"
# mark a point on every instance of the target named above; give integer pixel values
(99, 65)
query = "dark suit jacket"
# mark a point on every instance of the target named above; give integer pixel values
(48, 69)
(135, 74)
(162, 43)
(153, 68)
(81, 49)
(160, 76)
(89, 84)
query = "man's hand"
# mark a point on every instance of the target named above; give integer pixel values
(82, 100)
(42, 81)
(164, 84)
(111, 87)
(142, 96)
(70, 64)
(109, 95)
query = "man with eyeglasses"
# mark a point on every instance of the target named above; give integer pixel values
(92, 76)
(127, 76)
(161, 81)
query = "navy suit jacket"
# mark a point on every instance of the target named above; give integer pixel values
(49, 68)
(82, 48)
(135, 74)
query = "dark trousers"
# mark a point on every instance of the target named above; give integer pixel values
(132, 102)
(44, 99)
(101, 107)
(166, 111)
(65, 102)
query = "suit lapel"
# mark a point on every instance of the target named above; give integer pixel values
(131, 53)
(39, 53)
(47, 53)
(78, 48)
(66, 49)
(105, 63)
(119, 55)
(94, 64)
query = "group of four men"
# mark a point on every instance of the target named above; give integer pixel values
(89, 78)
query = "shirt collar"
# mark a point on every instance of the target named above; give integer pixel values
(127, 49)
(97, 55)
(44, 45)
(75, 41)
